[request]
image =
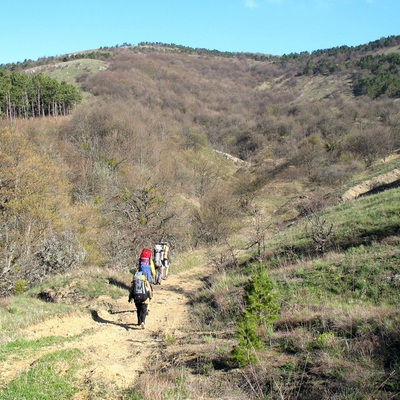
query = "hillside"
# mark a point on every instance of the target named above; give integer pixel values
(336, 334)
(275, 179)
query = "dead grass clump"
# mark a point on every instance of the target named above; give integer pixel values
(179, 383)
(228, 304)
(365, 347)
(317, 322)
(273, 378)
(293, 341)
(161, 385)
(4, 302)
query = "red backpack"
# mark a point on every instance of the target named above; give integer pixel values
(144, 264)
(145, 256)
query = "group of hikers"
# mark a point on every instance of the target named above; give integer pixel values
(153, 267)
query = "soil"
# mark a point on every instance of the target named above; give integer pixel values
(115, 349)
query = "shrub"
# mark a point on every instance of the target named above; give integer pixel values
(20, 286)
(256, 322)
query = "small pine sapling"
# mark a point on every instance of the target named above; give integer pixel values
(255, 324)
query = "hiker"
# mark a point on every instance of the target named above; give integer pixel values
(146, 265)
(157, 256)
(165, 259)
(141, 293)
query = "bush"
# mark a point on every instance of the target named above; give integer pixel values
(255, 325)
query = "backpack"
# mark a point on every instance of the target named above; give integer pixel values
(146, 270)
(138, 291)
(146, 253)
(158, 250)
(165, 251)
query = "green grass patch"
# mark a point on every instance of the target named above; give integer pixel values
(87, 284)
(364, 273)
(18, 312)
(51, 377)
(71, 70)
(22, 311)
(20, 346)
(187, 261)
(23, 346)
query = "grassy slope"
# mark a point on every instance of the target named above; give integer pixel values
(339, 324)
(71, 70)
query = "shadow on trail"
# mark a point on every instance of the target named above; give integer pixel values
(122, 312)
(96, 317)
(117, 283)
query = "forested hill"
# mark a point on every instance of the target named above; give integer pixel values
(134, 159)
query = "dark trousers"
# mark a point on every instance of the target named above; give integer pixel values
(141, 309)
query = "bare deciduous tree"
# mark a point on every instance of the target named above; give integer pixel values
(319, 230)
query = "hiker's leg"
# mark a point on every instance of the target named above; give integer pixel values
(166, 265)
(142, 313)
(148, 304)
(138, 311)
(144, 308)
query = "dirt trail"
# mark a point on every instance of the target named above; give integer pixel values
(368, 185)
(114, 348)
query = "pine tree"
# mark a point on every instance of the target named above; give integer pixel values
(255, 325)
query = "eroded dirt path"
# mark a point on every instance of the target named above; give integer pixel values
(366, 186)
(114, 348)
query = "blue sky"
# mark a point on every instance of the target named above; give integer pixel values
(30, 29)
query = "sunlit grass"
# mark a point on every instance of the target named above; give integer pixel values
(69, 71)
(50, 377)
(18, 312)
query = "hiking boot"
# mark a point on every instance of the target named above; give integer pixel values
(142, 325)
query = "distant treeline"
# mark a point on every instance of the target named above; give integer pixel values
(381, 79)
(378, 75)
(107, 51)
(382, 43)
(93, 55)
(27, 96)
(201, 51)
